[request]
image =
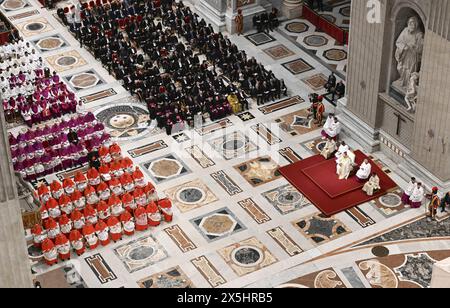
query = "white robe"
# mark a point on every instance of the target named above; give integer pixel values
(417, 195)
(342, 149)
(334, 130)
(364, 171)
(327, 125)
(344, 167)
(410, 188)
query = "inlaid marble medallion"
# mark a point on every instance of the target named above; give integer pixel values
(320, 229)
(140, 253)
(259, 171)
(218, 224)
(279, 52)
(325, 279)
(335, 54)
(298, 66)
(297, 27)
(13, 5)
(67, 276)
(34, 27)
(260, 38)
(315, 40)
(247, 256)
(165, 168)
(233, 145)
(84, 80)
(390, 204)
(126, 119)
(171, 278)
(191, 195)
(286, 199)
(297, 123)
(50, 43)
(316, 82)
(315, 146)
(66, 61)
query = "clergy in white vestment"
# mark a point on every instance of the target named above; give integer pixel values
(327, 126)
(364, 171)
(344, 166)
(329, 148)
(408, 191)
(417, 196)
(343, 148)
(372, 185)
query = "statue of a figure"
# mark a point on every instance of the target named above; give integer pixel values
(409, 51)
(411, 92)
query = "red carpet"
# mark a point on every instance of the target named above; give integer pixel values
(317, 180)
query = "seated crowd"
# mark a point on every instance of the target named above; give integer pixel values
(266, 22)
(29, 91)
(94, 208)
(45, 150)
(171, 59)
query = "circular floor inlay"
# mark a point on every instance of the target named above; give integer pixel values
(84, 80)
(50, 43)
(289, 198)
(165, 168)
(380, 251)
(13, 4)
(34, 252)
(297, 27)
(35, 26)
(141, 253)
(316, 40)
(391, 200)
(191, 195)
(122, 121)
(233, 145)
(66, 61)
(335, 55)
(247, 256)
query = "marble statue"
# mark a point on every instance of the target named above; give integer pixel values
(409, 52)
(411, 92)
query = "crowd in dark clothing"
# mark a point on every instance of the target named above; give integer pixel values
(173, 60)
(266, 22)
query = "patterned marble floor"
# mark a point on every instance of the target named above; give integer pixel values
(237, 222)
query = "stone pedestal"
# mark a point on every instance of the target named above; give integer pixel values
(356, 129)
(292, 8)
(441, 275)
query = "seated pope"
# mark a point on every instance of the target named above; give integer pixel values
(364, 171)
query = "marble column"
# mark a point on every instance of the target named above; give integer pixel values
(15, 271)
(292, 8)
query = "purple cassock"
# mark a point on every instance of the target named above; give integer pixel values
(12, 141)
(81, 134)
(46, 160)
(67, 161)
(39, 149)
(55, 78)
(89, 117)
(30, 135)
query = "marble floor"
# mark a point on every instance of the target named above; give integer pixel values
(237, 223)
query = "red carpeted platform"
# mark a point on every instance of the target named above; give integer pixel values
(317, 180)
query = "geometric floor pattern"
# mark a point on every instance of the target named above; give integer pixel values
(237, 223)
